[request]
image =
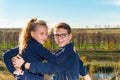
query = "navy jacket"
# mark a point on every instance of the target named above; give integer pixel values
(34, 53)
(68, 70)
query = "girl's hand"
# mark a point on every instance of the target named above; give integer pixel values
(18, 72)
(18, 61)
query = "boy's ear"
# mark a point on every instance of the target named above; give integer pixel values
(70, 36)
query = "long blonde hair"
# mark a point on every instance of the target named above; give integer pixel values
(26, 32)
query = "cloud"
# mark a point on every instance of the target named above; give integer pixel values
(112, 2)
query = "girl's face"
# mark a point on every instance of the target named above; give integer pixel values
(40, 34)
(62, 37)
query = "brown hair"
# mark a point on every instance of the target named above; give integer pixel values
(25, 34)
(64, 26)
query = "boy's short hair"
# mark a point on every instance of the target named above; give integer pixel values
(64, 26)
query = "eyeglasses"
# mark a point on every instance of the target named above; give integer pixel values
(60, 35)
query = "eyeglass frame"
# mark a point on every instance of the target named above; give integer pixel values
(61, 35)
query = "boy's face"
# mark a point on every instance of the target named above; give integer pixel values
(62, 37)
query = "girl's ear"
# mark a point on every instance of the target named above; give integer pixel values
(32, 34)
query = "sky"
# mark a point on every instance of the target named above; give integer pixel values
(77, 13)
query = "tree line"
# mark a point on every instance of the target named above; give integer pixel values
(83, 39)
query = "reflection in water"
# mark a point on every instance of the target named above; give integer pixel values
(103, 76)
(107, 76)
(106, 73)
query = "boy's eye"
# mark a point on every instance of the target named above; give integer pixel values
(41, 33)
(60, 35)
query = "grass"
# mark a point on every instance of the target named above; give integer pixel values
(77, 46)
(97, 47)
(5, 75)
(7, 45)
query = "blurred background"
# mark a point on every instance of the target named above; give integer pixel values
(95, 27)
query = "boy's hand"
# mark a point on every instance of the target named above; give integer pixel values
(18, 61)
(74, 49)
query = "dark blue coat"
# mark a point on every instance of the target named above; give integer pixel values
(67, 70)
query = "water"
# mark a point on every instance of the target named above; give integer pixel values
(107, 76)
(102, 76)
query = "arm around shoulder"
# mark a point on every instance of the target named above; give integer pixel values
(7, 58)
